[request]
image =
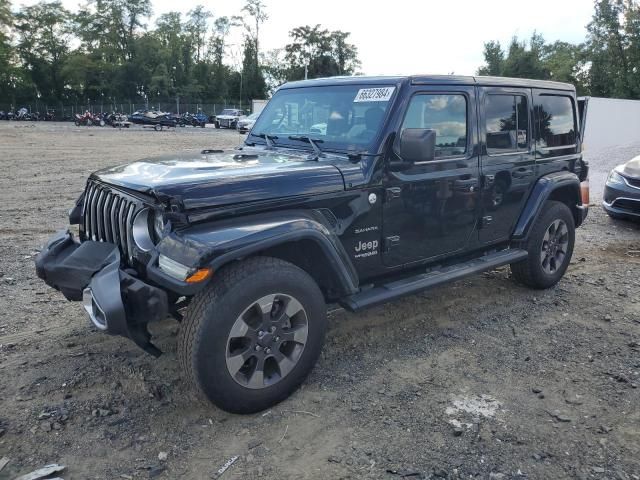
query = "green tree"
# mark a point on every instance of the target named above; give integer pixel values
(566, 62)
(219, 86)
(6, 51)
(608, 49)
(274, 68)
(632, 34)
(493, 58)
(323, 53)
(525, 60)
(254, 85)
(256, 10)
(44, 37)
(344, 53)
(197, 29)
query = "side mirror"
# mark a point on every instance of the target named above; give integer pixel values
(417, 145)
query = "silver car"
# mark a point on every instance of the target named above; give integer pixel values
(246, 123)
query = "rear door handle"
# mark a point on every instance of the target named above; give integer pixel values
(466, 185)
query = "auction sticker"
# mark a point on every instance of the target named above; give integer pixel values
(381, 94)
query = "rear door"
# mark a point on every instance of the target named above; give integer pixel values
(507, 160)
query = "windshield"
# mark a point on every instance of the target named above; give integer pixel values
(345, 117)
(253, 116)
(229, 112)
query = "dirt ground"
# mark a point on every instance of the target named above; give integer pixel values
(481, 379)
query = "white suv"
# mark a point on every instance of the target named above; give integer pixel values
(229, 118)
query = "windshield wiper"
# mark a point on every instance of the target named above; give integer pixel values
(311, 141)
(269, 139)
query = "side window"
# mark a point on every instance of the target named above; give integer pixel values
(556, 120)
(446, 115)
(507, 123)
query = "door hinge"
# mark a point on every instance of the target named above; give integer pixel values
(391, 242)
(393, 192)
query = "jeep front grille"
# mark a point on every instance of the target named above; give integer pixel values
(108, 217)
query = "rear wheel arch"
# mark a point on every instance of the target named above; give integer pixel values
(562, 186)
(570, 196)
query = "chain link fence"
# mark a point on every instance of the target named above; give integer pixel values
(63, 112)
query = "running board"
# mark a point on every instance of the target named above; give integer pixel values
(425, 281)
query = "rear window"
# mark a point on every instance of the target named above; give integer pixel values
(507, 123)
(556, 121)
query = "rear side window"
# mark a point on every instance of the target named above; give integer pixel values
(557, 121)
(446, 115)
(507, 123)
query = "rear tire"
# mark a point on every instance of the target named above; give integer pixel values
(550, 246)
(217, 124)
(253, 335)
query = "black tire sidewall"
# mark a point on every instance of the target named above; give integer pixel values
(210, 360)
(556, 211)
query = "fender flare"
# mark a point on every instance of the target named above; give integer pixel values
(542, 191)
(218, 243)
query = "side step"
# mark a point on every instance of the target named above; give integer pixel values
(424, 281)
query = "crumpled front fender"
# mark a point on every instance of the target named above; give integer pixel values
(217, 243)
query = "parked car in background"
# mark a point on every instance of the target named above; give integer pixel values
(154, 119)
(247, 122)
(229, 118)
(622, 191)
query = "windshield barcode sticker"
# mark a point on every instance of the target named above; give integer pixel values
(382, 94)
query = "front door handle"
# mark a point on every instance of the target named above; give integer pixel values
(522, 172)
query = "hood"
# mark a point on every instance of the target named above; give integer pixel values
(224, 177)
(632, 168)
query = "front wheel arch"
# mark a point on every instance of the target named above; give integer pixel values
(308, 255)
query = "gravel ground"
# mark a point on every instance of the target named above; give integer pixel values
(481, 379)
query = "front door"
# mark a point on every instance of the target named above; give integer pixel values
(508, 164)
(430, 209)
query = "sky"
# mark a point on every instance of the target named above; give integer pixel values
(408, 37)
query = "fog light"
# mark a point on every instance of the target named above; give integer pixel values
(173, 268)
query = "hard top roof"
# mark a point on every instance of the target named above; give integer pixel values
(432, 80)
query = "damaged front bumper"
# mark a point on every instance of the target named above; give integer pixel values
(116, 301)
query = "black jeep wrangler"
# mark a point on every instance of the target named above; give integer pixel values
(351, 191)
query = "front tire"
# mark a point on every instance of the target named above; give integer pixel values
(550, 246)
(253, 335)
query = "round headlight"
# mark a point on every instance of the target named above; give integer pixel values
(141, 230)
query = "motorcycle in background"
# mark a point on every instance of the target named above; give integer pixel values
(23, 114)
(89, 119)
(114, 120)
